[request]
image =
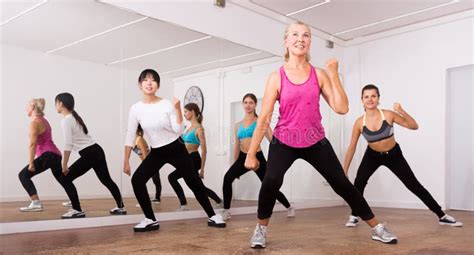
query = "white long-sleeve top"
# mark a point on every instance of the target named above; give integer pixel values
(158, 121)
(74, 137)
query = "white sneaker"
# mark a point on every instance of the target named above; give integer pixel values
(291, 212)
(72, 214)
(216, 221)
(146, 225)
(118, 211)
(449, 221)
(155, 201)
(182, 208)
(259, 237)
(352, 222)
(33, 207)
(382, 234)
(219, 205)
(67, 204)
(225, 214)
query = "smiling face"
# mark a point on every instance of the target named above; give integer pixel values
(149, 85)
(370, 99)
(297, 40)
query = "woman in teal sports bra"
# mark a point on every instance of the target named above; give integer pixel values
(193, 138)
(243, 136)
(376, 125)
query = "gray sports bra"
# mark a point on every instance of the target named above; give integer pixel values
(384, 132)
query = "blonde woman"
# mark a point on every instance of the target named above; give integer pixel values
(299, 133)
(42, 153)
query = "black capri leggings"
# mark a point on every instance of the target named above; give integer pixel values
(238, 169)
(91, 157)
(174, 176)
(42, 163)
(322, 157)
(394, 160)
(175, 154)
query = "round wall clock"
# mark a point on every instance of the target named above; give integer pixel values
(194, 95)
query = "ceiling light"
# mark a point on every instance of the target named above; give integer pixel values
(214, 61)
(307, 8)
(397, 17)
(98, 34)
(24, 12)
(161, 50)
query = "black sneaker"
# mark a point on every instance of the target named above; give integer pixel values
(146, 225)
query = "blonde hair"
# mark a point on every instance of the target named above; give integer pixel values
(287, 53)
(38, 104)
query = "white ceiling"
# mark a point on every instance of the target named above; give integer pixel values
(103, 34)
(336, 16)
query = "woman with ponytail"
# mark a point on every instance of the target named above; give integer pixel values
(193, 138)
(243, 135)
(43, 153)
(92, 156)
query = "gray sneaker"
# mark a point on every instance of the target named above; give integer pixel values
(259, 237)
(382, 234)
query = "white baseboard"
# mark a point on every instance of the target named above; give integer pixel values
(48, 225)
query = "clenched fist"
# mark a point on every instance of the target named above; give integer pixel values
(332, 66)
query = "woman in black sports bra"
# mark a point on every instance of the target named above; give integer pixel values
(376, 125)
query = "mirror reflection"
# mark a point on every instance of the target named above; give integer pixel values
(98, 62)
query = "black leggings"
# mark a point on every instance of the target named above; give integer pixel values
(175, 154)
(174, 176)
(394, 160)
(322, 157)
(238, 169)
(42, 163)
(157, 181)
(91, 157)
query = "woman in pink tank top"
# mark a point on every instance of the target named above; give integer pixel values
(43, 153)
(299, 133)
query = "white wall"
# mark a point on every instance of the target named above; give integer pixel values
(409, 68)
(101, 103)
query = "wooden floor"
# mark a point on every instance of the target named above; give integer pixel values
(313, 231)
(9, 211)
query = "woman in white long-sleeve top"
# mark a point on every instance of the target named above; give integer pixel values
(162, 122)
(77, 138)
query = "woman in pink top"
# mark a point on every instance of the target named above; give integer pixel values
(299, 133)
(42, 147)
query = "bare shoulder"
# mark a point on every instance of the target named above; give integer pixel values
(359, 122)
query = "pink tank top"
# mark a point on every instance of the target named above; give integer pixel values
(299, 124)
(44, 142)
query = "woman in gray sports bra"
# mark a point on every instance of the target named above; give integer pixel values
(376, 125)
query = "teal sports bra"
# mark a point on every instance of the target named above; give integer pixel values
(191, 137)
(243, 133)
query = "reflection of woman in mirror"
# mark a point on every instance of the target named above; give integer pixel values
(77, 138)
(244, 130)
(193, 138)
(161, 121)
(382, 149)
(299, 133)
(142, 149)
(42, 146)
